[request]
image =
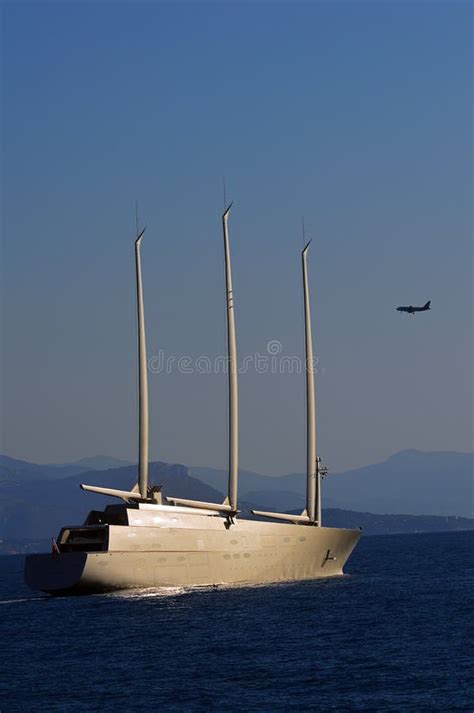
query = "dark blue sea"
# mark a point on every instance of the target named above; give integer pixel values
(393, 635)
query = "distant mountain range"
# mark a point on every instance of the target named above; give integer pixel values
(12, 469)
(410, 482)
(38, 508)
(36, 500)
(94, 463)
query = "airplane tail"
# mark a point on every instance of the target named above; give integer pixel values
(427, 305)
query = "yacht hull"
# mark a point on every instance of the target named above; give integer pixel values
(247, 552)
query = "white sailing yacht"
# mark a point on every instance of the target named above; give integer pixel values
(150, 540)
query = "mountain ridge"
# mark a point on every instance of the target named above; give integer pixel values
(411, 482)
(44, 506)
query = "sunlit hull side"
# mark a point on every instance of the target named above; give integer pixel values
(204, 552)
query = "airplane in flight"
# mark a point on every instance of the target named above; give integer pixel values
(412, 310)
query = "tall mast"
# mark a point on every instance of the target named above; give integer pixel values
(142, 492)
(312, 513)
(313, 498)
(229, 506)
(142, 377)
(233, 372)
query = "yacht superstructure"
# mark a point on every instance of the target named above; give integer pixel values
(152, 541)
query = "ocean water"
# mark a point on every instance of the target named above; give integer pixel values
(393, 635)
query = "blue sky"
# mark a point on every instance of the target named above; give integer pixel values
(356, 115)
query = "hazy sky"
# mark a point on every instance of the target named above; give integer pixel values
(357, 115)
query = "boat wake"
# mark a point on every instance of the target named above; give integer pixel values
(151, 592)
(24, 599)
(147, 592)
